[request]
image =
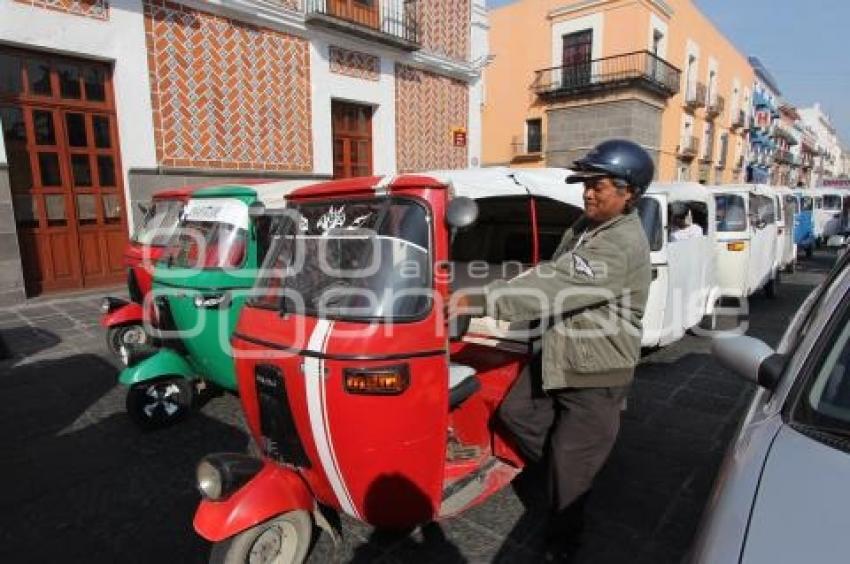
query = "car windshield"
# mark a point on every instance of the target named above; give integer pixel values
(731, 212)
(157, 225)
(832, 203)
(355, 259)
(212, 233)
(649, 211)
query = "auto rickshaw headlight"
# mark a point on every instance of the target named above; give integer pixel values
(209, 480)
(105, 304)
(219, 475)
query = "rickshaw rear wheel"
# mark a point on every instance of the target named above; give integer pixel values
(120, 339)
(284, 539)
(159, 403)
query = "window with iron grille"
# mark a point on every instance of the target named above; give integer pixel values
(534, 135)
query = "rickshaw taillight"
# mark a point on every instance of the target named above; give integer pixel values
(736, 246)
(383, 381)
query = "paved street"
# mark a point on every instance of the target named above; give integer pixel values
(82, 484)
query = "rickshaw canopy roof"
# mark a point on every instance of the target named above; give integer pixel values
(681, 191)
(760, 189)
(478, 183)
(475, 183)
(174, 193)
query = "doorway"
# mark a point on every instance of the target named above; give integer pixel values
(60, 132)
(576, 56)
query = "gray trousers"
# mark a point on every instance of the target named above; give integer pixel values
(572, 430)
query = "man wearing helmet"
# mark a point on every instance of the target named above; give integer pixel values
(564, 409)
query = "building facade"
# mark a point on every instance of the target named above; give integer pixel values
(654, 71)
(828, 160)
(102, 103)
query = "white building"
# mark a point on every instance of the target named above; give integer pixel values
(829, 160)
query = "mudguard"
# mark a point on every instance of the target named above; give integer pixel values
(130, 313)
(165, 362)
(273, 491)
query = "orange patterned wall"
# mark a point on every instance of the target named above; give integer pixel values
(98, 9)
(428, 107)
(444, 27)
(227, 94)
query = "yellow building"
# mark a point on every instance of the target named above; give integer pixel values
(567, 75)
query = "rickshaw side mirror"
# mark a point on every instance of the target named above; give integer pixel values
(462, 212)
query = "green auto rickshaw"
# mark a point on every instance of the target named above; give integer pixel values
(199, 287)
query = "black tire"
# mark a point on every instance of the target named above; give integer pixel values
(809, 251)
(284, 539)
(159, 403)
(121, 338)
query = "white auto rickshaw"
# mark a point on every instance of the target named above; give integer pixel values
(829, 203)
(786, 249)
(679, 219)
(746, 240)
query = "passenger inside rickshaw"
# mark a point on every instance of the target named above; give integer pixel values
(683, 224)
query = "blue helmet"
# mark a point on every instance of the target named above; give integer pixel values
(617, 158)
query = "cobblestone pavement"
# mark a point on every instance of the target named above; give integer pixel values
(82, 484)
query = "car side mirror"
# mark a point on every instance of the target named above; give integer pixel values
(751, 359)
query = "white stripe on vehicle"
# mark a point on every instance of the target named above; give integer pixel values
(315, 385)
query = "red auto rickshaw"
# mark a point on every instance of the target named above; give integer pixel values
(362, 395)
(124, 319)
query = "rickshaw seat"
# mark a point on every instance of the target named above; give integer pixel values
(462, 383)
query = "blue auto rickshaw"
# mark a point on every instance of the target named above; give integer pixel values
(804, 228)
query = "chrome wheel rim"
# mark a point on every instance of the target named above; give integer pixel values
(275, 545)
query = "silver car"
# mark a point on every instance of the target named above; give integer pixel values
(783, 491)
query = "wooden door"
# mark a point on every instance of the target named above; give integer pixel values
(59, 127)
(352, 139)
(364, 12)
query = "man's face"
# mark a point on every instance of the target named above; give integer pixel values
(603, 200)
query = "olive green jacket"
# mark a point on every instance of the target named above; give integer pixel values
(590, 297)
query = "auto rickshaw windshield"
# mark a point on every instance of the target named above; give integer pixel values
(649, 211)
(731, 212)
(212, 234)
(158, 224)
(806, 203)
(832, 203)
(365, 259)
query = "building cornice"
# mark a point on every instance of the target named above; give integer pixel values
(580, 5)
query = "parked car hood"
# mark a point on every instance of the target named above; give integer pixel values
(802, 507)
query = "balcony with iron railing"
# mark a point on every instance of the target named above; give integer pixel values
(739, 121)
(715, 106)
(688, 147)
(783, 156)
(695, 95)
(391, 22)
(640, 69)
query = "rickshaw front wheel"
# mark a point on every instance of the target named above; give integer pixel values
(282, 540)
(155, 404)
